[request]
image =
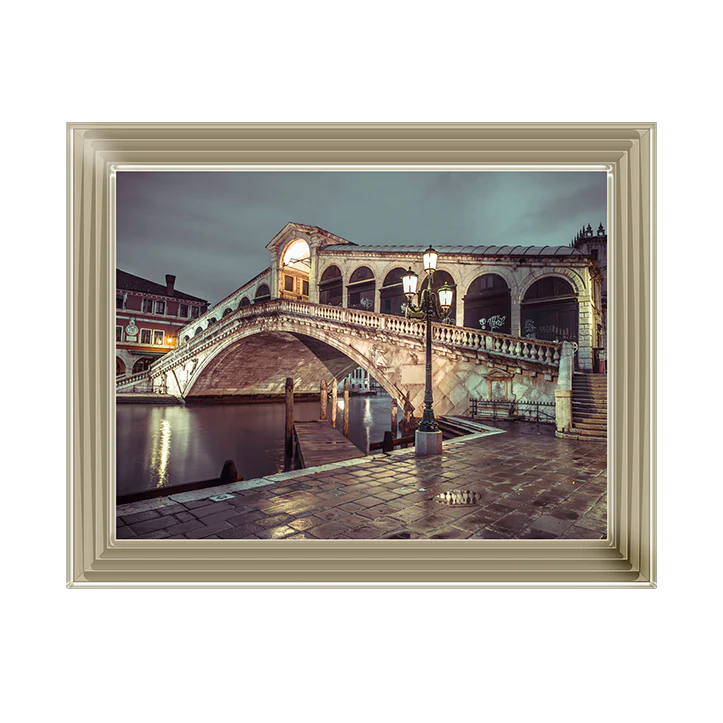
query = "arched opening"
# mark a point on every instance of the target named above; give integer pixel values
(441, 278)
(186, 339)
(488, 300)
(295, 266)
(120, 367)
(245, 301)
(360, 289)
(227, 311)
(142, 364)
(262, 294)
(199, 329)
(212, 321)
(392, 298)
(330, 287)
(550, 310)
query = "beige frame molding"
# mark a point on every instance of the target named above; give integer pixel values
(626, 559)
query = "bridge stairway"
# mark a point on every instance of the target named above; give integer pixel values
(459, 426)
(589, 407)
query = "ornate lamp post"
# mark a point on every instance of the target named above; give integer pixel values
(428, 437)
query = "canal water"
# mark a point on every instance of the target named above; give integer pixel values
(164, 445)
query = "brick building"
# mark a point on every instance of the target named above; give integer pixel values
(148, 317)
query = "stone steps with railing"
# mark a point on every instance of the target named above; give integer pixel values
(589, 408)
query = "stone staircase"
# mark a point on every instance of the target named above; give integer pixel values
(589, 407)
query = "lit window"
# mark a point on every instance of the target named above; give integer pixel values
(158, 338)
(160, 307)
(145, 336)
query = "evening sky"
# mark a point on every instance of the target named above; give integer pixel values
(211, 229)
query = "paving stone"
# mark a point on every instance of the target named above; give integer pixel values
(553, 525)
(140, 528)
(141, 516)
(207, 530)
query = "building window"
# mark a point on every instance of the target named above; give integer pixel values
(195, 312)
(145, 336)
(305, 288)
(183, 310)
(158, 338)
(160, 307)
(119, 333)
(147, 306)
(593, 253)
(118, 302)
(288, 283)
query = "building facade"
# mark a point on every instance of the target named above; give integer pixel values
(148, 318)
(551, 293)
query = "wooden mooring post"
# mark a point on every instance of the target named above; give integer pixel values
(289, 430)
(323, 400)
(334, 392)
(394, 418)
(346, 408)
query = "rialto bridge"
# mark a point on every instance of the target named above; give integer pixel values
(326, 306)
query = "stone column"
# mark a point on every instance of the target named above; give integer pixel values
(563, 392)
(459, 306)
(585, 333)
(515, 314)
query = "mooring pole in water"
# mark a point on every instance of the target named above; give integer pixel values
(394, 418)
(322, 400)
(334, 392)
(346, 407)
(289, 447)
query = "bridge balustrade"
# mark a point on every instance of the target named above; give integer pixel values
(546, 352)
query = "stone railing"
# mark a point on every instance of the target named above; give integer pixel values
(132, 379)
(546, 352)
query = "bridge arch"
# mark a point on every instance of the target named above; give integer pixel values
(355, 357)
(228, 310)
(569, 275)
(361, 288)
(262, 293)
(120, 367)
(331, 286)
(391, 294)
(488, 295)
(550, 309)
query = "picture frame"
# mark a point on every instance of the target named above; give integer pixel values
(97, 151)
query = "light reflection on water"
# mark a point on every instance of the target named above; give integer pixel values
(164, 445)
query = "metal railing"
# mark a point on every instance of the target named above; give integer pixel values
(529, 411)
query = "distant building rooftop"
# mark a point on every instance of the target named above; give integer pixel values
(130, 282)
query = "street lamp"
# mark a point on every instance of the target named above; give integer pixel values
(428, 437)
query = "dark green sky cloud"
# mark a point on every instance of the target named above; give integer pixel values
(211, 229)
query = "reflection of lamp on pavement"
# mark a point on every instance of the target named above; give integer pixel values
(428, 437)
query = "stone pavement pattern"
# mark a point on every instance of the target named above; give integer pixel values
(531, 484)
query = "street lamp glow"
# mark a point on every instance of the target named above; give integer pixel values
(445, 297)
(430, 259)
(409, 283)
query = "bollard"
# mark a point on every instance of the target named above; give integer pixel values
(346, 408)
(229, 472)
(388, 442)
(334, 392)
(289, 432)
(322, 400)
(394, 417)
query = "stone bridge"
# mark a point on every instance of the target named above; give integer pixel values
(252, 350)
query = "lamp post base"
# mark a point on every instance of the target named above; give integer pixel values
(426, 443)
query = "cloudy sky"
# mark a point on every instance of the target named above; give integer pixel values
(211, 229)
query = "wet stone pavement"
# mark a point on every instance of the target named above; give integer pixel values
(530, 485)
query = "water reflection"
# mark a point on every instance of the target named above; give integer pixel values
(158, 446)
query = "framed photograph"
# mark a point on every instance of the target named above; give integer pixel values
(361, 355)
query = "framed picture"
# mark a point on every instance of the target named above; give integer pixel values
(452, 386)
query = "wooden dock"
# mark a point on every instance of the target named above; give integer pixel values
(317, 442)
